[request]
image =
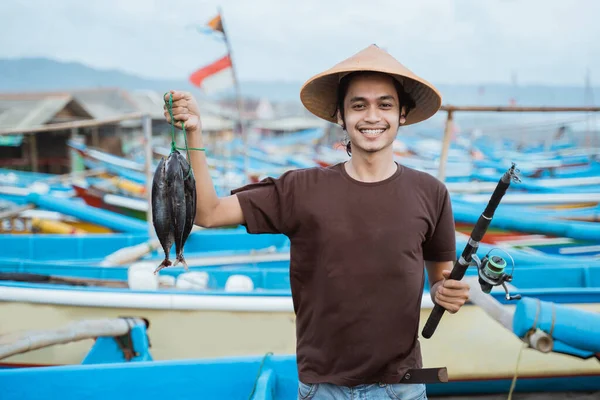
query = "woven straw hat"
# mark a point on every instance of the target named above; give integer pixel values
(319, 93)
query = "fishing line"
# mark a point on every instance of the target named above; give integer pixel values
(173, 144)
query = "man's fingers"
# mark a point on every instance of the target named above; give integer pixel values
(451, 293)
(180, 110)
(453, 284)
(450, 307)
(176, 95)
(451, 299)
(178, 118)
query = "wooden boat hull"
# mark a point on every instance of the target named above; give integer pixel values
(95, 198)
(470, 344)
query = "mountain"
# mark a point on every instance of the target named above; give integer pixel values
(42, 74)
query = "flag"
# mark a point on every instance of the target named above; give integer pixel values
(215, 76)
(213, 28)
(216, 24)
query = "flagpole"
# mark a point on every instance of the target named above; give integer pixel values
(238, 97)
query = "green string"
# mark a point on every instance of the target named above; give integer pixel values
(173, 144)
(258, 374)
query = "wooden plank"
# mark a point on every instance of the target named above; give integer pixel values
(33, 153)
(445, 147)
(518, 109)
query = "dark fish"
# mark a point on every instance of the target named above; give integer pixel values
(161, 212)
(176, 189)
(190, 206)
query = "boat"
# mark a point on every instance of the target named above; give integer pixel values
(114, 249)
(244, 308)
(115, 340)
(133, 207)
(554, 346)
(47, 222)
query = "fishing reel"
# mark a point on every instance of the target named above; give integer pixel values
(491, 273)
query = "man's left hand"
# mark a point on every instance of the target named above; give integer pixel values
(451, 294)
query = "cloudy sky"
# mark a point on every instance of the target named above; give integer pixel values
(445, 41)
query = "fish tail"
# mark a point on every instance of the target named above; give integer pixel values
(166, 263)
(181, 259)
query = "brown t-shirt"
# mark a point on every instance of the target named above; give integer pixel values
(356, 265)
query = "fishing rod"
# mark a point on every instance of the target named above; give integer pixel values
(490, 269)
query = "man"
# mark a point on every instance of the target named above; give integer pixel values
(360, 231)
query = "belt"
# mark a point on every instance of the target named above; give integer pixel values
(426, 375)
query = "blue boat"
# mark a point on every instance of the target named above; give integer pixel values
(113, 364)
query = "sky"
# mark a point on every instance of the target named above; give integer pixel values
(550, 42)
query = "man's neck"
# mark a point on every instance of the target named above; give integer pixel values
(373, 167)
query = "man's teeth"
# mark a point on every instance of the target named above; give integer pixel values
(372, 131)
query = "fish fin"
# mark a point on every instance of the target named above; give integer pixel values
(166, 263)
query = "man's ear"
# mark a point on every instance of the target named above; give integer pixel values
(340, 121)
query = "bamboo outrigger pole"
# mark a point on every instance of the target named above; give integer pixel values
(450, 120)
(21, 342)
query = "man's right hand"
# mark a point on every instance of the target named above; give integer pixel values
(185, 108)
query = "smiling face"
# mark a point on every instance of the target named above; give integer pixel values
(371, 112)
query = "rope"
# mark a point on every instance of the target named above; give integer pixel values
(514, 380)
(173, 144)
(553, 320)
(258, 374)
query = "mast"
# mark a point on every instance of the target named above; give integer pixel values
(238, 97)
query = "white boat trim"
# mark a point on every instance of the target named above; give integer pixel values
(579, 249)
(246, 258)
(121, 201)
(156, 301)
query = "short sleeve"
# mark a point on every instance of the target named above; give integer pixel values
(441, 245)
(267, 205)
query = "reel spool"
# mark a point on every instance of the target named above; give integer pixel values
(491, 271)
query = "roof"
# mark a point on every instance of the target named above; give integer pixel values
(34, 109)
(148, 102)
(25, 111)
(105, 103)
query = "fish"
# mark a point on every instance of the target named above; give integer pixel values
(161, 213)
(189, 185)
(176, 190)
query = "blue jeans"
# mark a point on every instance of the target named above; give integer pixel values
(377, 391)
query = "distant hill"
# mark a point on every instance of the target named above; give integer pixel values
(42, 74)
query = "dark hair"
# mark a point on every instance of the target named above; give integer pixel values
(404, 98)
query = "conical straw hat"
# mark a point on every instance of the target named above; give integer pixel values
(319, 93)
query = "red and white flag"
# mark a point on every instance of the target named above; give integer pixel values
(214, 77)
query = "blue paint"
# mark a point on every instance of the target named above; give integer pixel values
(222, 378)
(570, 326)
(106, 349)
(96, 246)
(111, 220)
(266, 386)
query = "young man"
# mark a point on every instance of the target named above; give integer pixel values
(361, 232)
